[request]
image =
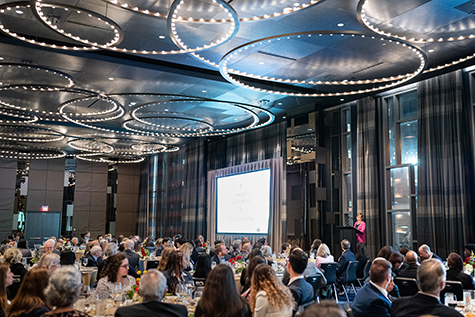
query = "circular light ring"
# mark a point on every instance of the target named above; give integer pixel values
(90, 145)
(20, 114)
(395, 80)
(122, 159)
(209, 127)
(36, 6)
(116, 111)
(28, 152)
(174, 18)
(189, 134)
(26, 4)
(126, 6)
(45, 134)
(363, 19)
(152, 148)
(55, 72)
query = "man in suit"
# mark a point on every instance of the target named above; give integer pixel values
(346, 257)
(410, 271)
(301, 290)
(153, 287)
(132, 257)
(372, 300)
(431, 277)
(94, 258)
(426, 253)
(221, 253)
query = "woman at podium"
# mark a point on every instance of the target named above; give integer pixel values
(361, 227)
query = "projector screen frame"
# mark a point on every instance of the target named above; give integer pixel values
(269, 224)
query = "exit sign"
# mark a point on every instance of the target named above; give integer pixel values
(44, 208)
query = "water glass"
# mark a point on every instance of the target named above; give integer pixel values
(450, 299)
(100, 308)
(213, 265)
(81, 304)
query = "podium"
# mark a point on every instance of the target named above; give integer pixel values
(349, 233)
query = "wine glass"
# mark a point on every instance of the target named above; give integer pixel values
(84, 261)
(180, 290)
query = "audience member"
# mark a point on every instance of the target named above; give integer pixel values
(253, 263)
(221, 254)
(31, 301)
(237, 248)
(23, 247)
(187, 249)
(431, 277)
(285, 249)
(6, 279)
(62, 292)
(48, 247)
(74, 242)
(468, 250)
(362, 258)
(396, 260)
(67, 257)
(372, 299)
(269, 297)
(410, 271)
(13, 259)
(326, 308)
(175, 271)
(455, 273)
(255, 252)
(246, 249)
(203, 266)
(343, 261)
(301, 290)
(323, 255)
(385, 252)
(425, 253)
(10, 243)
(162, 264)
(50, 261)
(220, 296)
(199, 246)
(314, 248)
(153, 287)
(113, 274)
(94, 258)
(133, 257)
(267, 252)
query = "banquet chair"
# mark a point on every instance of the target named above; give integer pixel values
(329, 271)
(199, 283)
(314, 280)
(407, 286)
(366, 269)
(350, 278)
(454, 287)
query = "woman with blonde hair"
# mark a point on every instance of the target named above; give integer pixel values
(323, 255)
(50, 261)
(269, 297)
(6, 279)
(13, 258)
(187, 248)
(162, 265)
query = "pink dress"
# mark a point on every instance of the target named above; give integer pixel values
(361, 237)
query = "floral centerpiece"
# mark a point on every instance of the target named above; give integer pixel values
(134, 294)
(238, 263)
(144, 252)
(206, 245)
(469, 263)
(67, 244)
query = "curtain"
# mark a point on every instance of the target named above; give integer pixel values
(368, 173)
(146, 219)
(278, 215)
(444, 219)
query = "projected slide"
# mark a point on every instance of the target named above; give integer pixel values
(243, 203)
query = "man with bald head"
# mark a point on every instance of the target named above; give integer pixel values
(426, 253)
(410, 271)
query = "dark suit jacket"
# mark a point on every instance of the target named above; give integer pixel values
(370, 302)
(133, 261)
(302, 291)
(467, 280)
(215, 258)
(91, 262)
(362, 259)
(342, 264)
(421, 304)
(410, 271)
(151, 309)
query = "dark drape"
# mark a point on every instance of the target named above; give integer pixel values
(445, 165)
(369, 177)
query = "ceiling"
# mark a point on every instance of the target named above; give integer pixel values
(115, 80)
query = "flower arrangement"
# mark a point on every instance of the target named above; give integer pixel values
(134, 294)
(67, 244)
(145, 253)
(469, 263)
(206, 245)
(238, 263)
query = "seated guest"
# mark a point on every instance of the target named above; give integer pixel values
(6, 279)
(153, 287)
(199, 246)
(301, 290)
(285, 249)
(267, 252)
(255, 261)
(133, 257)
(425, 253)
(343, 261)
(431, 277)
(323, 255)
(74, 242)
(159, 246)
(67, 257)
(237, 248)
(187, 249)
(62, 292)
(13, 259)
(255, 252)
(50, 261)
(31, 301)
(314, 248)
(310, 270)
(48, 247)
(455, 273)
(269, 297)
(23, 247)
(203, 266)
(162, 264)
(410, 271)
(396, 260)
(220, 296)
(246, 250)
(175, 271)
(403, 251)
(114, 275)
(94, 258)
(362, 258)
(326, 308)
(221, 254)
(468, 250)
(10, 243)
(372, 298)
(385, 252)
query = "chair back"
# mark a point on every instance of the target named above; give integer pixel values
(199, 281)
(329, 270)
(454, 287)
(407, 286)
(367, 267)
(302, 308)
(351, 271)
(314, 280)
